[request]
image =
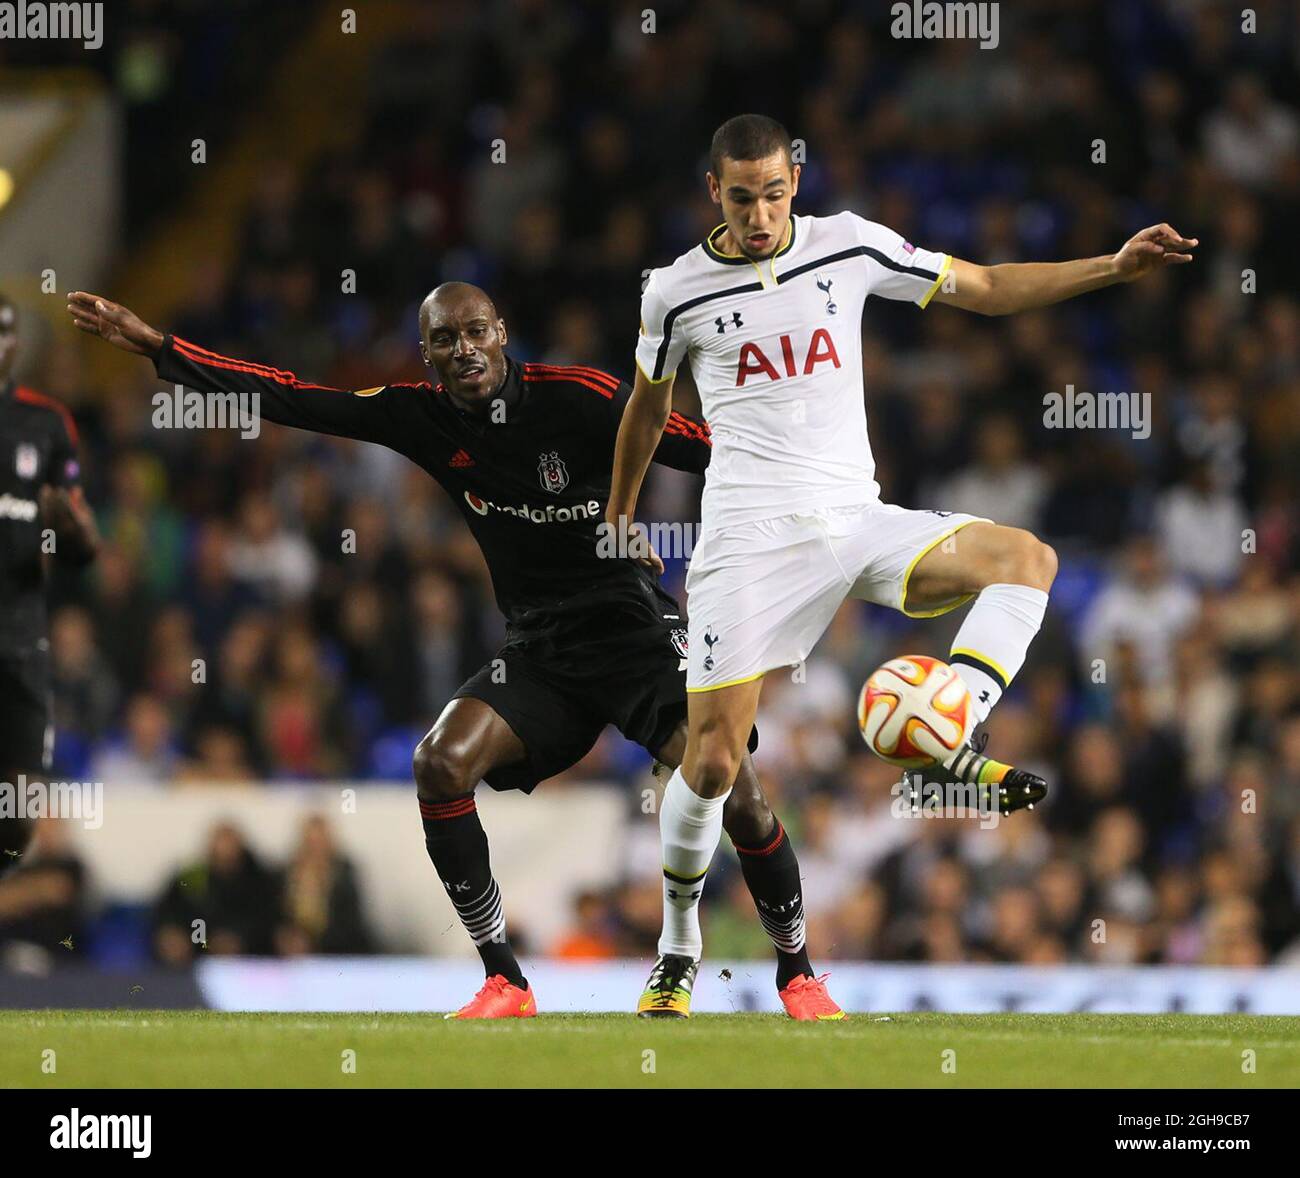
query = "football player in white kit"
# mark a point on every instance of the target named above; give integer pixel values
(769, 311)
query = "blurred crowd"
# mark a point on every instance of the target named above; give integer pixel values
(227, 901)
(225, 634)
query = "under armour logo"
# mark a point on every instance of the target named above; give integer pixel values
(723, 324)
(984, 696)
(673, 894)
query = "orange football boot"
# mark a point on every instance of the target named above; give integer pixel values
(498, 999)
(806, 1000)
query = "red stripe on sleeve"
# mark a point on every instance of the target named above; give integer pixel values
(692, 429)
(32, 397)
(572, 378)
(592, 373)
(215, 360)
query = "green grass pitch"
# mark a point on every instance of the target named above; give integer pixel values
(146, 1049)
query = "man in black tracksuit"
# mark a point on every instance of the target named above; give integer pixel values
(526, 452)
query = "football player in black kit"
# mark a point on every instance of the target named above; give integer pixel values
(42, 512)
(526, 451)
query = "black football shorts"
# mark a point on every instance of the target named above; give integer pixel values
(558, 698)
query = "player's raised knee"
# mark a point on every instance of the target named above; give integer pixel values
(1038, 563)
(442, 771)
(1021, 558)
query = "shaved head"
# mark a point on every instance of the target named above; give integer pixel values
(461, 339)
(458, 295)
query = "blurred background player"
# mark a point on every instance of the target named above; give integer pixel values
(43, 513)
(768, 309)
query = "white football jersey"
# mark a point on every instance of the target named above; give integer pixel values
(776, 351)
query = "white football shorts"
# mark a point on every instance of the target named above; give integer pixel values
(761, 594)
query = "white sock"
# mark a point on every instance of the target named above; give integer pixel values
(689, 829)
(992, 643)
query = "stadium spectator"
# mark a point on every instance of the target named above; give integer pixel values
(999, 483)
(221, 904)
(589, 939)
(1144, 609)
(85, 687)
(43, 905)
(146, 753)
(320, 909)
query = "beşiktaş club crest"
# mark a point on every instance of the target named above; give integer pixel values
(552, 472)
(26, 460)
(679, 642)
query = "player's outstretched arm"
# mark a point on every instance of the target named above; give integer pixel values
(1019, 286)
(280, 396)
(639, 434)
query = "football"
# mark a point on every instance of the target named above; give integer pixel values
(914, 711)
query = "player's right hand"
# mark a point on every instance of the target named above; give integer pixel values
(113, 322)
(651, 561)
(640, 550)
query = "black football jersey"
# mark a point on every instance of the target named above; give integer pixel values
(38, 446)
(531, 478)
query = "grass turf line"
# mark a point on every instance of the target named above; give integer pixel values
(141, 1049)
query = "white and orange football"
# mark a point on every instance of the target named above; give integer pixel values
(914, 711)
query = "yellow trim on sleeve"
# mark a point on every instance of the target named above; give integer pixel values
(729, 683)
(637, 360)
(907, 576)
(929, 294)
(975, 654)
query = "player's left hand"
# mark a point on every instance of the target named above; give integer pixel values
(1152, 249)
(61, 507)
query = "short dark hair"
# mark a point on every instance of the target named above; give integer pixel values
(747, 137)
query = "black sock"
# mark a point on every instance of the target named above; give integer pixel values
(458, 847)
(772, 875)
